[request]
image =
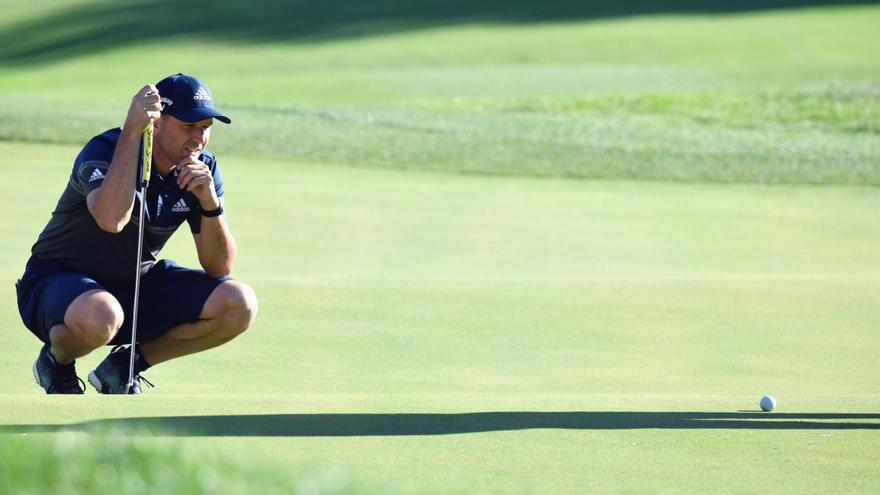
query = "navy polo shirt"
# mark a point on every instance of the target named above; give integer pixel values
(73, 238)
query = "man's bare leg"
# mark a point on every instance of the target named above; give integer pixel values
(91, 320)
(229, 311)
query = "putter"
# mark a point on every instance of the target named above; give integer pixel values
(146, 165)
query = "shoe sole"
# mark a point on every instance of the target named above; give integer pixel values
(95, 382)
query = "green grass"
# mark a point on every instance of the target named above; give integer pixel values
(770, 97)
(118, 461)
(386, 293)
(443, 308)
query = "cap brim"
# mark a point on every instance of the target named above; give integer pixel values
(197, 114)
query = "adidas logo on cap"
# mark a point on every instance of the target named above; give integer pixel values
(201, 94)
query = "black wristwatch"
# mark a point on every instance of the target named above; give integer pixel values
(213, 213)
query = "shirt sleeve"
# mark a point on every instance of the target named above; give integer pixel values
(195, 217)
(91, 166)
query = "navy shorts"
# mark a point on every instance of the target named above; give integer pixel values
(170, 295)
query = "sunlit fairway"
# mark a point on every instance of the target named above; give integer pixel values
(565, 255)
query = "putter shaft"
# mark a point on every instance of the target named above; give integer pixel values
(143, 183)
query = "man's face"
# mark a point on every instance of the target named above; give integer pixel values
(176, 139)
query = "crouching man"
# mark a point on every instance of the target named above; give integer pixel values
(77, 291)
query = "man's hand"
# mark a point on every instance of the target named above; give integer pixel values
(111, 204)
(145, 108)
(194, 176)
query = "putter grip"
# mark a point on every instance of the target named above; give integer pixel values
(148, 153)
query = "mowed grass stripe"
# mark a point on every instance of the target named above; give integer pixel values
(657, 137)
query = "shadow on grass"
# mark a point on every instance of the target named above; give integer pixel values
(93, 27)
(349, 425)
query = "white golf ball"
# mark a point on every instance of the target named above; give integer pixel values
(768, 403)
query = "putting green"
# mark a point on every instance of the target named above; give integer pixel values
(433, 332)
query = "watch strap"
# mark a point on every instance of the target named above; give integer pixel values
(213, 213)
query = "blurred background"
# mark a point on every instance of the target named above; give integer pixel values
(745, 91)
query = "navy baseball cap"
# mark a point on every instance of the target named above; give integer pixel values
(188, 99)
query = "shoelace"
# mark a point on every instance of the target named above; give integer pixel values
(66, 383)
(117, 347)
(140, 378)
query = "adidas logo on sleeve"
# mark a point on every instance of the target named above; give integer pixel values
(97, 175)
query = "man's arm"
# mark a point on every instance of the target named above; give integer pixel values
(112, 203)
(215, 246)
(214, 242)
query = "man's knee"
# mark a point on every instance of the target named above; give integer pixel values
(95, 316)
(238, 304)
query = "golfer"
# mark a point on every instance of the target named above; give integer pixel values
(77, 291)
